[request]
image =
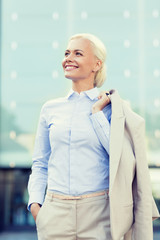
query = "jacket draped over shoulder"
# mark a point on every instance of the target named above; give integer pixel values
(132, 206)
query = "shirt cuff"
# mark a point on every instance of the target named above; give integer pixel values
(35, 197)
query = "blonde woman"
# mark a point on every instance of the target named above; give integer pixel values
(90, 176)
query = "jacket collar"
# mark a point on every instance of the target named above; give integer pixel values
(116, 101)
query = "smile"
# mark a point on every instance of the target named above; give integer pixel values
(70, 67)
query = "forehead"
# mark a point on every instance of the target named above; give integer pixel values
(80, 43)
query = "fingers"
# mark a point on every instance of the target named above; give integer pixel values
(103, 94)
(35, 207)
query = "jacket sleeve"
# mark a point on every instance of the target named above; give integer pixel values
(142, 193)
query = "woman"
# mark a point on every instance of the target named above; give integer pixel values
(90, 153)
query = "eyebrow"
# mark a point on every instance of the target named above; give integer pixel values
(67, 50)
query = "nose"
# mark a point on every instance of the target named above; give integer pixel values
(69, 57)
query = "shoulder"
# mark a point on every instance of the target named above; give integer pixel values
(50, 106)
(128, 112)
(134, 121)
(52, 103)
(131, 117)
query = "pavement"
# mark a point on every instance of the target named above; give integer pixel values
(33, 236)
(18, 236)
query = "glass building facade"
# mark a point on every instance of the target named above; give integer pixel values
(33, 38)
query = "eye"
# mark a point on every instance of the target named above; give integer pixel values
(66, 54)
(79, 54)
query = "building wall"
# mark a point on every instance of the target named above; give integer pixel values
(34, 36)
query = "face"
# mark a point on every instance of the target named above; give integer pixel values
(79, 61)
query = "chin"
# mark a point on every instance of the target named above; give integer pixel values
(70, 77)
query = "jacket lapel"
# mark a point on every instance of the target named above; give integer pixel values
(116, 135)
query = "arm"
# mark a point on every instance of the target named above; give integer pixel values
(38, 179)
(101, 123)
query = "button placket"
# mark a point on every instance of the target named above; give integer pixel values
(72, 175)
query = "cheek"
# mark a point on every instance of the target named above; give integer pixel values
(63, 62)
(90, 63)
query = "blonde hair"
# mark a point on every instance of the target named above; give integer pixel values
(100, 52)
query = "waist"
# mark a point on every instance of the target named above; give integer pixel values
(71, 197)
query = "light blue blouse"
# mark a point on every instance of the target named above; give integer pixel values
(71, 153)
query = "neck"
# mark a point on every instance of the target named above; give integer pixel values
(80, 87)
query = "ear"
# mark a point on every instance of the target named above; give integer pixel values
(97, 66)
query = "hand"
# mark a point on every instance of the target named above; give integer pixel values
(35, 207)
(101, 103)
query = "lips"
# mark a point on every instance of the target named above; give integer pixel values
(70, 67)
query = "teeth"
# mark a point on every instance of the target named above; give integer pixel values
(70, 67)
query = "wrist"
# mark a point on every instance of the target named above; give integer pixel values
(94, 110)
(34, 205)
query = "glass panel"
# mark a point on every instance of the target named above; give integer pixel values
(13, 184)
(34, 35)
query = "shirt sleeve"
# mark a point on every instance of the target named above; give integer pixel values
(101, 123)
(38, 178)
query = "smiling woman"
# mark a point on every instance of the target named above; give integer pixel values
(88, 53)
(89, 153)
(80, 63)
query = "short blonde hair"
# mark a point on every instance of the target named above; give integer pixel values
(100, 52)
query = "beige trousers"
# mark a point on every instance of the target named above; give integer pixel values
(82, 219)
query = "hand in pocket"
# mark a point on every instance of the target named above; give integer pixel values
(35, 207)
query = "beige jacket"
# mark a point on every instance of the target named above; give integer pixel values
(131, 203)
